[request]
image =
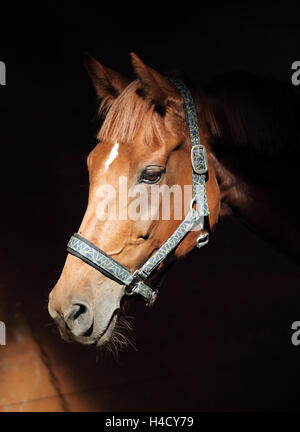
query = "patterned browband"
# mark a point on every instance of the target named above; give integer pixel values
(135, 282)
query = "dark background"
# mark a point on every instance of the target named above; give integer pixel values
(219, 336)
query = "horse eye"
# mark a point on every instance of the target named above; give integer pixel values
(150, 175)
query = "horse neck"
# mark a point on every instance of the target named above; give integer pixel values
(262, 193)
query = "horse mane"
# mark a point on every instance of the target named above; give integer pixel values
(251, 112)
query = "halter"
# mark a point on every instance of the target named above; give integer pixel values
(135, 282)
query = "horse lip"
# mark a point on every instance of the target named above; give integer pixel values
(95, 340)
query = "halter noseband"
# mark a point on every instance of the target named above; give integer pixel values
(135, 282)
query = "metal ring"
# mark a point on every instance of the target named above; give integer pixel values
(193, 201)
(127, 292)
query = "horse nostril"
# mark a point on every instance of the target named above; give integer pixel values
(79, 319)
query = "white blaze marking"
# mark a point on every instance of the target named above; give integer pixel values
(113, 154)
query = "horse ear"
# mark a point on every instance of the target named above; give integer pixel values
(159, 89)
(107, 82)
(156, 86)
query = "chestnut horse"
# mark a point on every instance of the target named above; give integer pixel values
(250, 128)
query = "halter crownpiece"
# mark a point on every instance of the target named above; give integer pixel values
(135, 282)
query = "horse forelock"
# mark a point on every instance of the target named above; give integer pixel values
(131, 114)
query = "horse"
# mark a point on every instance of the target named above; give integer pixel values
(249, 127)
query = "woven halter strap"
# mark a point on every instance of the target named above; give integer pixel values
(135, 282)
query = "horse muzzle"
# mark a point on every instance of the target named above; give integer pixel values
(86, 315)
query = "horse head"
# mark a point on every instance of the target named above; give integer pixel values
(143, 144)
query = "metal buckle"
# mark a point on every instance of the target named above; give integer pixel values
(138, 287)
(202, 240)
(199, 159)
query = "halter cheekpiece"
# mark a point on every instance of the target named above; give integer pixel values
(135, 282)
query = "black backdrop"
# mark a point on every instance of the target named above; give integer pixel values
(223, 319)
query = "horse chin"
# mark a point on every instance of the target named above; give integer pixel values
(105, 336)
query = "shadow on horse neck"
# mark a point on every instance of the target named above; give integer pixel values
(255, 139)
